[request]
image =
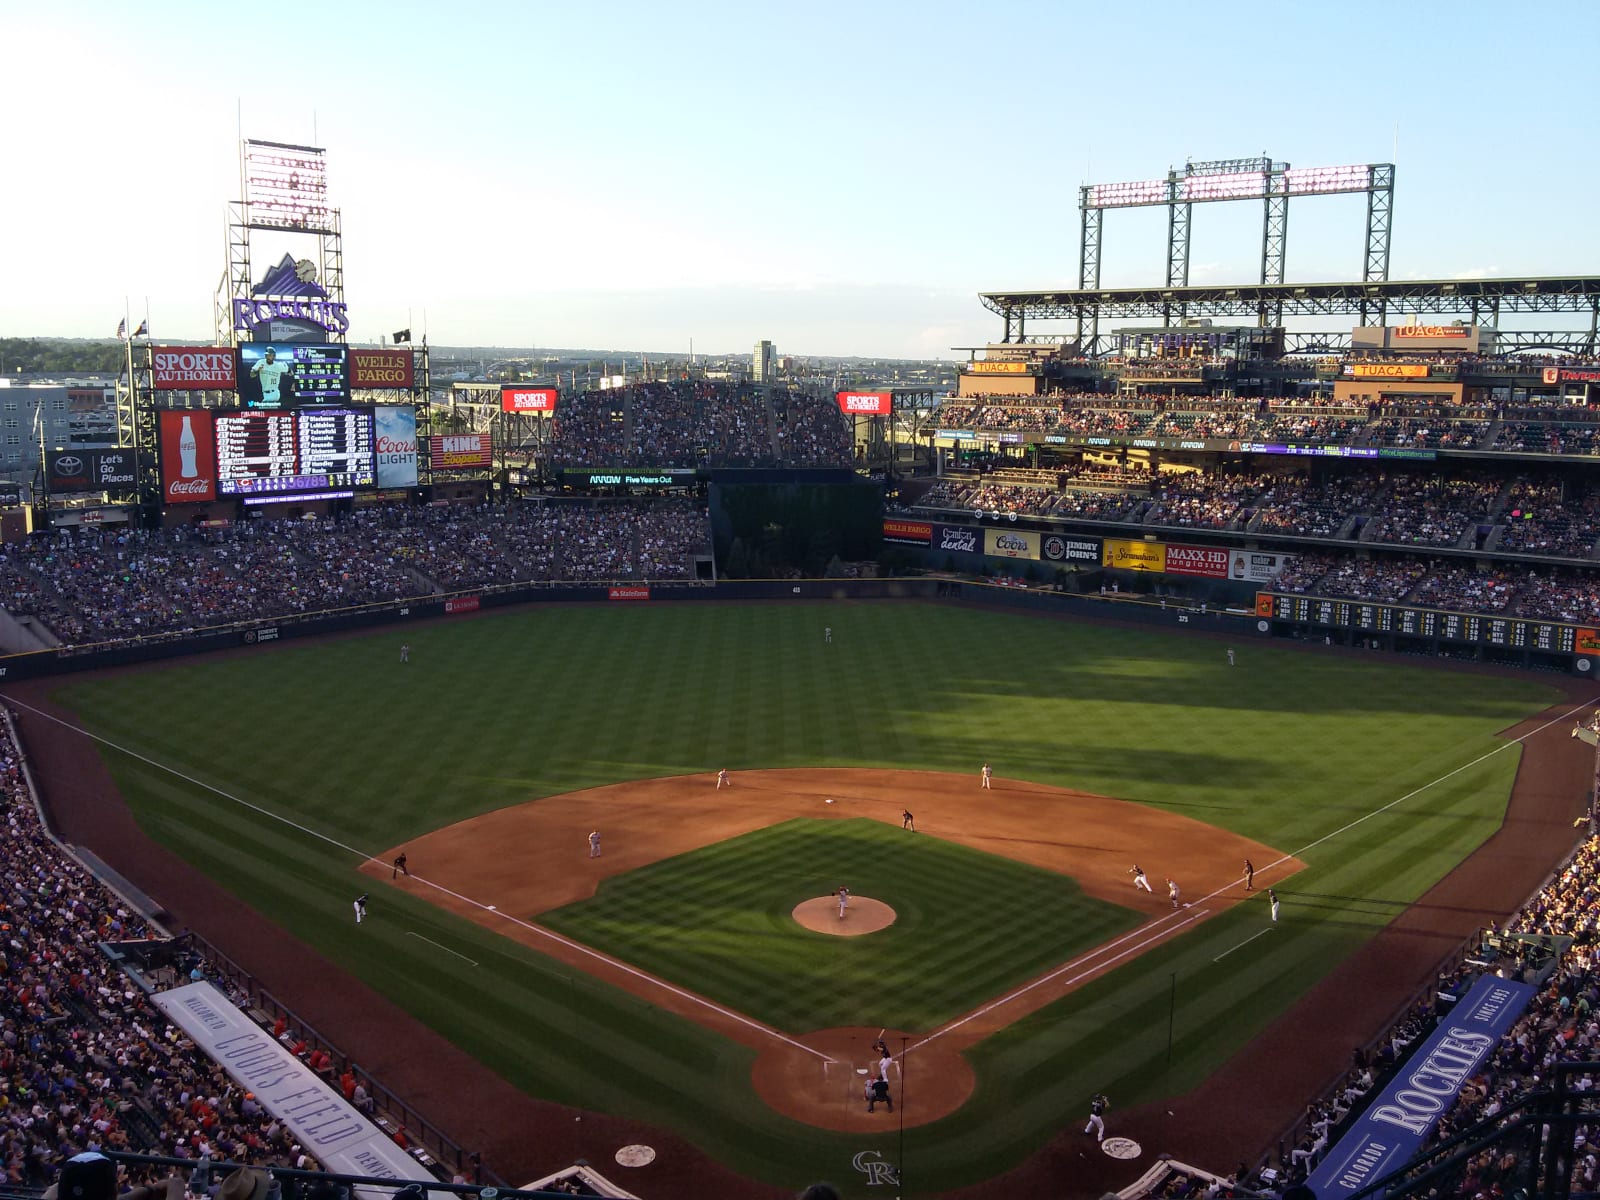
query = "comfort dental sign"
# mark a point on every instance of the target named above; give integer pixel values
(1391, 1131)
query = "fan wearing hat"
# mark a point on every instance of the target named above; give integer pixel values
(245, 1184)
(93, 1176)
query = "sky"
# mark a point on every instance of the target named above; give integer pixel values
(839, 178)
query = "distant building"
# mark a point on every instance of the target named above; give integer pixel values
(762, 363)
(63, 417)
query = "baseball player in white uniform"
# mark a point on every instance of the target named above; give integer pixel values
(1172, 890)
(722, 779)
(844, 901)
(1272, 899)
(361, 908)
(1139, 880)
(594, 844)
(988, 776)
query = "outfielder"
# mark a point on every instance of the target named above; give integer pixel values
(361, 908)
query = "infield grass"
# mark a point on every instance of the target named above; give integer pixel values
(717, 920)
(1289, 747)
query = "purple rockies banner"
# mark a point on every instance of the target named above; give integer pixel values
(1390, 1132)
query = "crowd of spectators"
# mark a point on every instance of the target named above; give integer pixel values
(86, 1062)
(1429, 510)
(1540, 518)
(696, 423)
(95, 585)
(1559, 1025)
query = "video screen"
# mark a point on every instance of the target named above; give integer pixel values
(275, 375)
(271, 454)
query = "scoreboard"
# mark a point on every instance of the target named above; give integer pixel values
(1511, 632)
(271, 453)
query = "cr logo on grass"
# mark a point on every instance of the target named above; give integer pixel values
(871, 1164)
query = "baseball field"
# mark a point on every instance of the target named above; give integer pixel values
(682, 992)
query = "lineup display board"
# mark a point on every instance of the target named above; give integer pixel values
(279, 375)
(1514, 633)
(272, 453)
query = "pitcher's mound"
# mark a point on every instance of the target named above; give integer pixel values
(865, 915)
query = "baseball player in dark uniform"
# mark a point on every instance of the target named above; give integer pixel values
(1097, 1113)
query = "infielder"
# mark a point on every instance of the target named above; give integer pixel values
(1139, 880)
(1249, 876)
(1097, 1114)
(361, 907)
(844, 901)
(594, 844)
(722, 779)
(988, 776)
(1172, 890)
(907, 821)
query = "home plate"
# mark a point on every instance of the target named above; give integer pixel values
(635, 1156)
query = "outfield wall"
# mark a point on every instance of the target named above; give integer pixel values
(1122, 608)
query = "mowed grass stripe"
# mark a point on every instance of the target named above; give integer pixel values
(691, 920)
(1288, 747)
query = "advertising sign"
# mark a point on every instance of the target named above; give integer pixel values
(960, 539)
(192, 367)
(872, 404)
(1414, 332)
(526, 399)
(1387, 370)
(457, 450)
(1134, 556)
(1209, 561)
(997, 368)
(643, 477)
(628, 593)
(1392, 1129)
(1257, 568)
(910, 533)
(91, 470)
(1058, 547)
(1571, 375)
(187, 446)
(396, 445)
(463, 604)
(10, 494)
(382, 369)
(1010, 543)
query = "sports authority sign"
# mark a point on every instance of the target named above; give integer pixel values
(187, 443)
(382, 369)
(208, 368)
(1209, 561)
(526, 399)
(866, 404)
(1393, 1128)
(453, 450)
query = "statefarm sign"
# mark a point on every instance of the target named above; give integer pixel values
(870, 404)
(382, 369)
(524, 399)
(192, 367)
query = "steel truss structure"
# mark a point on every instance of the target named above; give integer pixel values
(1232, 179)
(1482, 301)
(283, 190)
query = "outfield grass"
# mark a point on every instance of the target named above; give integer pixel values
(1288, 748)
(969, 925)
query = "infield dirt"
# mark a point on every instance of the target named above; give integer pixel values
(502, 867)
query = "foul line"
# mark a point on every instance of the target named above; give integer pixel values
(1158, 932)
(1242, 944)
(578, 947)
(446, 949)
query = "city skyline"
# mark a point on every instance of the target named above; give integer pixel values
(842, 184)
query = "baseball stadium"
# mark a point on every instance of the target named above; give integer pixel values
(1163, 766)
